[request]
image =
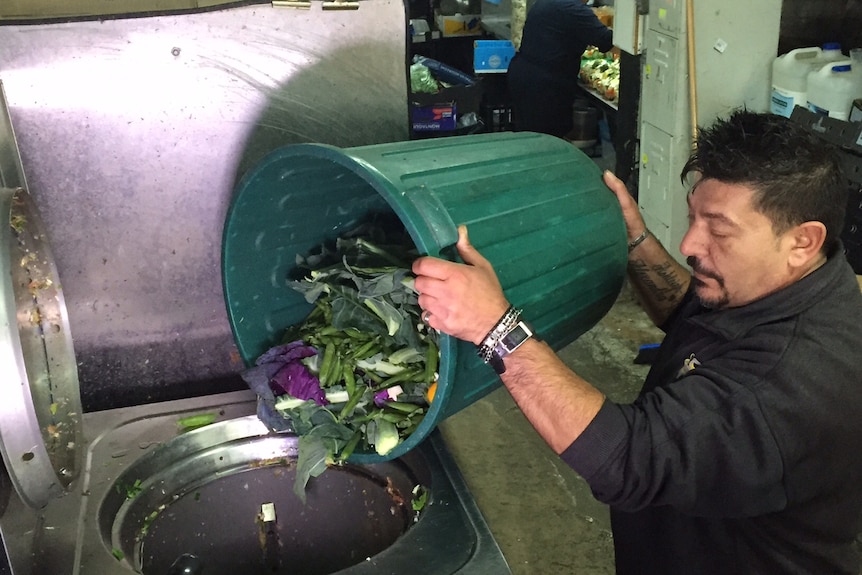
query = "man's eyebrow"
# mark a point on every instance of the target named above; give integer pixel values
(721, 219)
(715, 216)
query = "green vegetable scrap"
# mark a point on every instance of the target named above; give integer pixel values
(195, 421)
(420, 498)
(148, 520)
(130, 491)
(18, 222)
(354, 374)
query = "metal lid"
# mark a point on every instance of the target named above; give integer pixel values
(40, 413)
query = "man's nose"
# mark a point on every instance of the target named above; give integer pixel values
(692, 243)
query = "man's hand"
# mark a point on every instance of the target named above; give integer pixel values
(635, 225)
(462, 300)
(658, 280)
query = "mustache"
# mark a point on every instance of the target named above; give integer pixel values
(695, 265)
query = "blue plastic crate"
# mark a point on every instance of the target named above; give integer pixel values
(492, 56)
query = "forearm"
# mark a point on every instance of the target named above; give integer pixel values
(558, 403)
(659, 281)
(466, 301)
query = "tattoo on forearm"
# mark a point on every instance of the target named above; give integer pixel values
(672, 289)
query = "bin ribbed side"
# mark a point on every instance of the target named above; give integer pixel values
(537, 208)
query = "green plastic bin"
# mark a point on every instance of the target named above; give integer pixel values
(535, 206)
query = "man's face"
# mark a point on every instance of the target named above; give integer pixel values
(735, 256)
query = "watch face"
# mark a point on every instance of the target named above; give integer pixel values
(516, 337)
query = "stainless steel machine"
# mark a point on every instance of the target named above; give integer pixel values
(132, 133)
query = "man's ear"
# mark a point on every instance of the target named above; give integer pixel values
(806, 241)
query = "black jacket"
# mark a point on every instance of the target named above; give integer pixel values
(542, 77)
(556, 33)
(742, 453)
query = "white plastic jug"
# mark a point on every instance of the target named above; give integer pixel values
(831, 52)
(790, 75)
(856, 69)
(831, 90)
(790, 79)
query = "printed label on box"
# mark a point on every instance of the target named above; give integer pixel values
(434, 118)
(490, 56)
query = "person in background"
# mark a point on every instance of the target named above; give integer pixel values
(542, 76)
(741, 453)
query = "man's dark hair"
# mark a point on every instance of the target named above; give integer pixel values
(796, 176)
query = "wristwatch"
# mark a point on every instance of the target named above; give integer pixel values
(511, 340)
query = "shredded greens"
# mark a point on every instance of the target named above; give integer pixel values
(355, 373)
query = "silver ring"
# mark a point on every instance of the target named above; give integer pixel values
(426, 315)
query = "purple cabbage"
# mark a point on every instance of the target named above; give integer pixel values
(288, 352)
(389, 394)
(282, 369)
(381, 397)
(295, 380)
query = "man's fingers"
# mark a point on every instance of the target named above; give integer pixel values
(466, 250)
(464, 299)
(631, 212)
(615, 184)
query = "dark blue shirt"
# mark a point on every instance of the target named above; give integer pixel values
(557, 32)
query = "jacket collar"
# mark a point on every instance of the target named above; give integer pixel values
(790, 301)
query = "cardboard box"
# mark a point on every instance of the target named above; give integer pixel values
(467, 98)
(441, 111)
(492, 56)
(459, 24)
(434, 117)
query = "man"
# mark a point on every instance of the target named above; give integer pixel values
(542, 77)
(741, 454)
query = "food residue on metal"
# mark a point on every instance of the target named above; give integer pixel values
(18, 222)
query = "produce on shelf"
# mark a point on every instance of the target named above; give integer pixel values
(600, 72)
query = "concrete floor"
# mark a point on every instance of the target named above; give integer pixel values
(542, 513)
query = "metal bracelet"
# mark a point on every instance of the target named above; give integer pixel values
(639, 240)
(504, 324)
(502, 327)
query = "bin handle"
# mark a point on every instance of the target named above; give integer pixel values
(450, 252)
(426, 210)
